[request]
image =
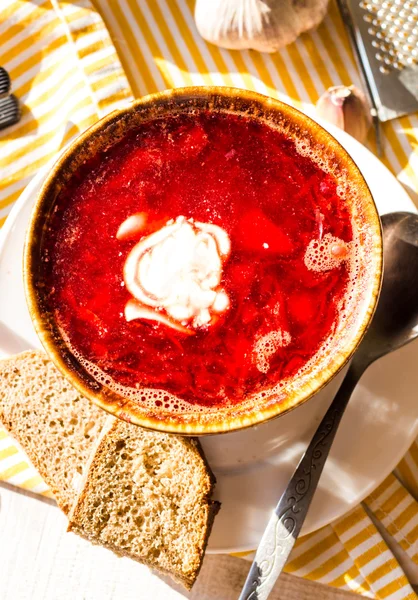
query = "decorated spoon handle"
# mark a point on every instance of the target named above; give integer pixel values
(286, 521)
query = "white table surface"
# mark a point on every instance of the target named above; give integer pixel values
(40, 561)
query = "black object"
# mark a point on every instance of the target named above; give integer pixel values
(5, 83)
(9, 111)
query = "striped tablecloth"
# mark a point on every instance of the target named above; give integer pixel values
(73, 62)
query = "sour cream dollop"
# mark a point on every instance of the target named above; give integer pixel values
(174, 275)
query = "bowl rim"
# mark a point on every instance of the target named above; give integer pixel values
(58, 350)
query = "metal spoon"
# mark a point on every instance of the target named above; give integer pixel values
(394, 324)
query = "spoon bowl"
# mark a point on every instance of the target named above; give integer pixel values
(395, 322)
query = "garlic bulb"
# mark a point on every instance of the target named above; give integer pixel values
(264, 25)
(347, 108)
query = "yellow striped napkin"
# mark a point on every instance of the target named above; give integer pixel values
(62, 60)
(65, 71)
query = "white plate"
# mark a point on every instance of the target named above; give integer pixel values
(253, 467)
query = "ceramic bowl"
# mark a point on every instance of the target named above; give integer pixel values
(322, 368)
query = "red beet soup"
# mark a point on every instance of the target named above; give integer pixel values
(202, 255)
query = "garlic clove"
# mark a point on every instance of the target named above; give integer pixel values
(263, 25)
(347, 108)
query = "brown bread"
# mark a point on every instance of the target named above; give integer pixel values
(147, 496)
(52, 422)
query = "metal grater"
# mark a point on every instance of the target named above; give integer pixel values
(385, 37)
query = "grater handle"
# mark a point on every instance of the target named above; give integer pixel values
(348, 21)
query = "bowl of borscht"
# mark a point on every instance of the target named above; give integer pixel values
(203, 260)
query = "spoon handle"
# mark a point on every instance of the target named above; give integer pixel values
(286, 521)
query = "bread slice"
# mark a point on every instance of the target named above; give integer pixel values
(147, 495)
(56, 426)
(144, 494)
